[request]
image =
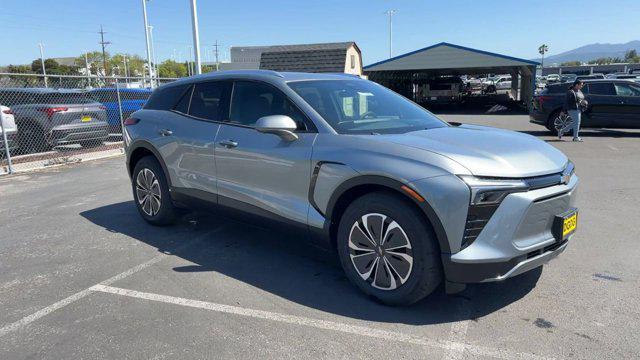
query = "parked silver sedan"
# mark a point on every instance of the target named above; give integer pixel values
(406, 199)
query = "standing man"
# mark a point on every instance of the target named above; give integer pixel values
(573, 105)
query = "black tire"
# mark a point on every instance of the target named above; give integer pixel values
(550, 126)
(164, 214)
(32, 139)
(425, 271)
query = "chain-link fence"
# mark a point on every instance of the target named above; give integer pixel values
(57, 119)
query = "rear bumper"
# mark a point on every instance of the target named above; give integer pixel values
(74, 134)
(538, 117)
(517, 238)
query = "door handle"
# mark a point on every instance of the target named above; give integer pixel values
(165, 132)
(228, 143)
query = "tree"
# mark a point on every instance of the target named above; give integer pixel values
(171, 69)
(52, 67)
(20, 69)
(542, 50)
(571, 63)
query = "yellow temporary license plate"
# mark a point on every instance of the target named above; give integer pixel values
(85, 118)
(569, 225)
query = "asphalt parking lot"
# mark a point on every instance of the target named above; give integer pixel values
(82, 276)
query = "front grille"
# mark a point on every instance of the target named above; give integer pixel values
(477, 218)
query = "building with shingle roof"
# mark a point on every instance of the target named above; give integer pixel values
(342, 57)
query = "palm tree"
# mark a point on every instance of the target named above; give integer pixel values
(542, 50)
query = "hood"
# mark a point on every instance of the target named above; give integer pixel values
(486, 151)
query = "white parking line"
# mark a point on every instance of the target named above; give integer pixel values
(458, 332)
(79, 295)
(320, 324)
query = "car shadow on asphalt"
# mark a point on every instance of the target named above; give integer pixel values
(287, 266)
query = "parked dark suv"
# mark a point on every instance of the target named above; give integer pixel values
(612, 103)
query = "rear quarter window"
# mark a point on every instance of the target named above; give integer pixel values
(165, 98)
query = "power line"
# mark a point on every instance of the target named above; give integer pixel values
(104, 54)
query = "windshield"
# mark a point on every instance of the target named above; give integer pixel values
(364, 107)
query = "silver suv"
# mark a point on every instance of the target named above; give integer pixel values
(406, 199)
(51, 117)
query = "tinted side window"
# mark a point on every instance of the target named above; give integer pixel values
(627, 90)
(183, 104)
(253, 100)
(209, 100)
(602, 89)
(164, 98)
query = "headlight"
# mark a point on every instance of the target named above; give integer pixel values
(492, 191)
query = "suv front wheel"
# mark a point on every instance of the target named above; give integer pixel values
(151, 192)
(388, 250)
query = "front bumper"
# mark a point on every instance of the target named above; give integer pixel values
(517, 238)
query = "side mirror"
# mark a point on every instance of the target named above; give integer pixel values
(280, 125)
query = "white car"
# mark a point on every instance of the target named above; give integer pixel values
(553, 78)
(8, 125)
(500, 82)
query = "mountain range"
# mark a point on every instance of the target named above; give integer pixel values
(592, 52)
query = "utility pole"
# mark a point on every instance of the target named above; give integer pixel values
(196, 37)
(153, 52)
(126, 72)
(215, 46)
(104, 54)
(391, 13)
(86, 66)
(44, 72)
(146, 36)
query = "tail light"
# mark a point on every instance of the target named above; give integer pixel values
(131, 121)
(51, 111)
(542, 99)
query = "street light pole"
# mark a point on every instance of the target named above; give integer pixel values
(146, 36)
(391, 13)
(44, 72)
(153, 52)
(196, 37)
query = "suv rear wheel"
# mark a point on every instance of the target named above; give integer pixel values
(387, 249)
(151, 192)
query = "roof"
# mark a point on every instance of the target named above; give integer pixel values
(263, 75)
(316, 58)
(447, 56)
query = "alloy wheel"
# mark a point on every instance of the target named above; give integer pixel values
(148, 192)
(380, 251)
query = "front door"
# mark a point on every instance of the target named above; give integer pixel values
(263, 173)
(603, 105)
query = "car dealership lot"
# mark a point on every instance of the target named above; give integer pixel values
(83, 276)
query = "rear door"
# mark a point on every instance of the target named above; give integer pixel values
(263, 173)
(186, 133)
(629, 98)
(603, 104)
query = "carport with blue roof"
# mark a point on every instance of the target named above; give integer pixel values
(400, 73)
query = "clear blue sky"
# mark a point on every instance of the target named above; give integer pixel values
(69, 27)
